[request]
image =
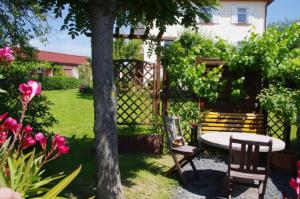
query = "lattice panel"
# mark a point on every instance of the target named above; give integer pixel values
(275, 126)
(178, 97)
(135, 83)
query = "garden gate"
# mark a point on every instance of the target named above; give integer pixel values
(138, 91)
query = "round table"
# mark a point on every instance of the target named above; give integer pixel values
(221, 140)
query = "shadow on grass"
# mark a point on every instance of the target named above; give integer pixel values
(82, 152)
(87, 96)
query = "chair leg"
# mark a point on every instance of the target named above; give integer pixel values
(229, 188)
(179, 168)
(182, 162)
(194, 169)
(264, 184)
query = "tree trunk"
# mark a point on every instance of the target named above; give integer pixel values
(105, 127)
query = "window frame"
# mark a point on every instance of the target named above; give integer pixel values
(238, 14)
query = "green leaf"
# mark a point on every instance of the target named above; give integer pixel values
(3, 182)
(12, 173)
(61, 185)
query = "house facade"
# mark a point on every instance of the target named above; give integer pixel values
(68, 62)
(233, 21)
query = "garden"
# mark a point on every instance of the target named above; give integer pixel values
(59, 135)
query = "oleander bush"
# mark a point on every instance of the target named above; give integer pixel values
(14, 73)
(60, 83)
(24, 152)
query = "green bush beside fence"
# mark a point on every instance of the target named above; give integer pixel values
(60, 83)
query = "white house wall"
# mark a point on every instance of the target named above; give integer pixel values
(225, 26)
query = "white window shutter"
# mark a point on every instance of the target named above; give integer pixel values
(250, 15)
(216, 16)
(234, 17)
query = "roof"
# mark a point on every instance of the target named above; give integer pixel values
(62, 58)
(268, 1)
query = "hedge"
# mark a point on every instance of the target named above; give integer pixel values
(59, 83)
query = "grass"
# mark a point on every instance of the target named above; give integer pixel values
(142, 175)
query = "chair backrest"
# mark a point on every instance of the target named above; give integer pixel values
(249, 156)
(173, 130)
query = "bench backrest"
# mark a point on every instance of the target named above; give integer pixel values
(233, 122)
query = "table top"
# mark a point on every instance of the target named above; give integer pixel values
(221, 140)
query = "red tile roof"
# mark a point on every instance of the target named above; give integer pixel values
(61, 58)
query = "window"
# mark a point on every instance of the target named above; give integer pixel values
(167, 43)
(242, 15)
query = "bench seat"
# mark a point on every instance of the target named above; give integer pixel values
(233, 122)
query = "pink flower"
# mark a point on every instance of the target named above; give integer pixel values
(28, 141)
(6, 55)
(40, 137)
(58, 140)
(27, 129)
(63, 149)
(3, 137)
(295, 184)
(29, 90)
(11, 124)
(3, 116)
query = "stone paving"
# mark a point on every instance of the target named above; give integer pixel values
(212, 171)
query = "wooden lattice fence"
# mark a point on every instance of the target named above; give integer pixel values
(277, 127)
(137, 85)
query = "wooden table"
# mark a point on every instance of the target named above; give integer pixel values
(221, 140)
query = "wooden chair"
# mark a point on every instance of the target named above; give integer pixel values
(246, 169)
(178, 147)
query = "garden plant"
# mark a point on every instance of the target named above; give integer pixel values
(295, 182)
(24, 151)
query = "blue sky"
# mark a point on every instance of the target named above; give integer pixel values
(60, 41)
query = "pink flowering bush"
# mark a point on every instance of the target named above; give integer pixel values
(295, 182)
(21, 167)
(6, 55)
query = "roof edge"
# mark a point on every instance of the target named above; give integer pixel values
(62, 53)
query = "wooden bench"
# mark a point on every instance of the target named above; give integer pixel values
(233, 122)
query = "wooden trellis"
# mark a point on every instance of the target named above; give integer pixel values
(277, 127)
(137, 91)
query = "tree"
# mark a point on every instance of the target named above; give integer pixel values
(20, 22)
(96, 18)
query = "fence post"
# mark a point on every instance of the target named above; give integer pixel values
(157, 89)
(165, 95)
(287, 134)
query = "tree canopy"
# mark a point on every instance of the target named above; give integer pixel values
(131, 12)
(20, 22)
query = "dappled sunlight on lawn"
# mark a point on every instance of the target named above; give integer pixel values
(142, 175)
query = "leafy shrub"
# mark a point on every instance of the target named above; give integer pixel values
(85, 74)
(127, 50)
(281, 101)
(85, 89)
(38, 114)
(179, 59)
(21, 165)
(60, 83)
(58, 70)
(275, 56)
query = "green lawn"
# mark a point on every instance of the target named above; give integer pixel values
(142, 175)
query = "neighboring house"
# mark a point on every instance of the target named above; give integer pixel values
(69, 62)
(233, 21)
